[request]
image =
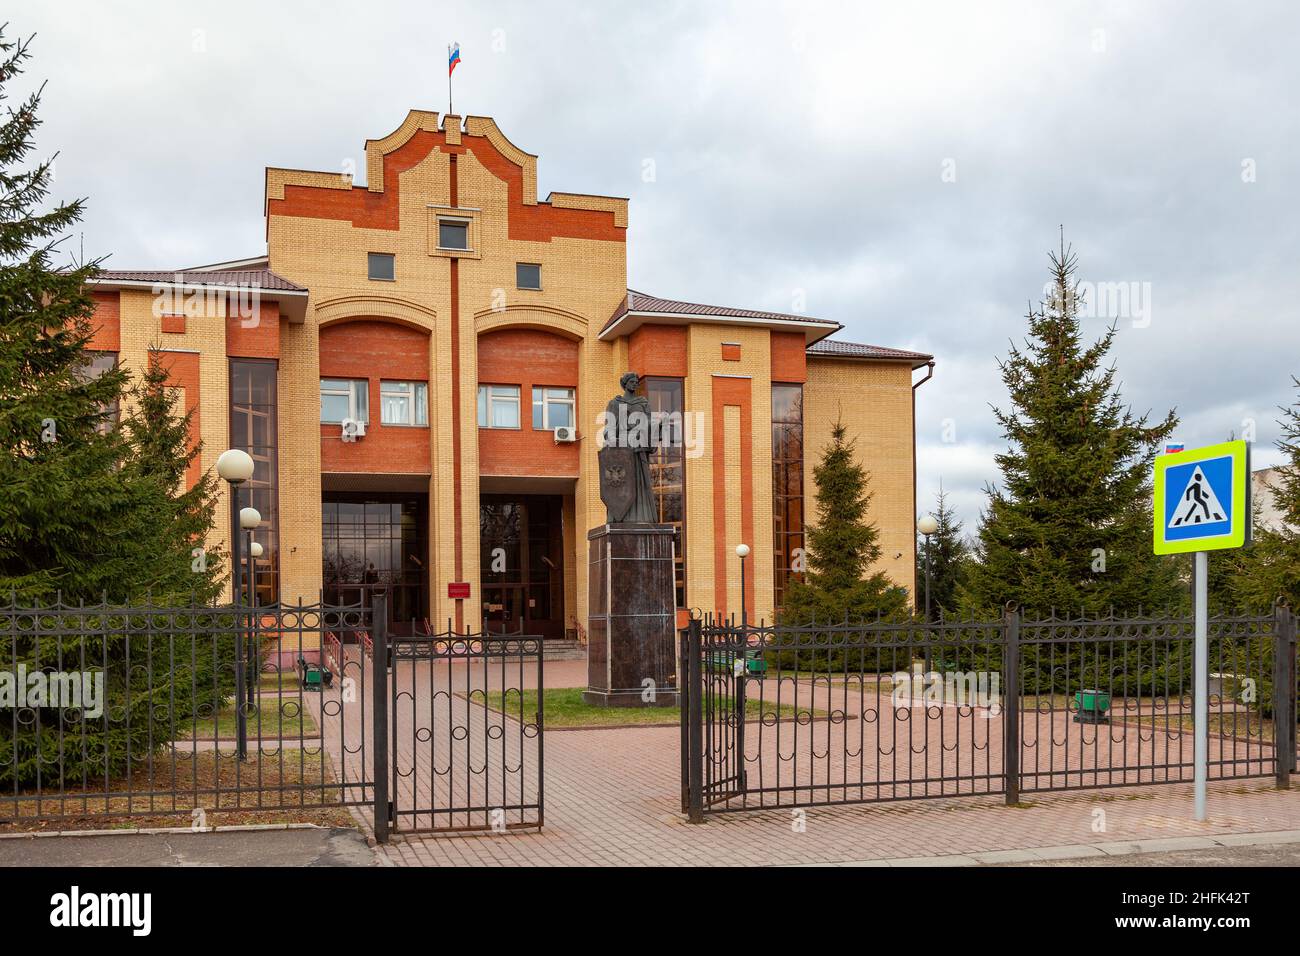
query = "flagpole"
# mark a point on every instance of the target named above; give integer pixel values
(450, 110)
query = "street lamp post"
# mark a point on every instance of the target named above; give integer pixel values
(249, 519)
(236, 467)
(742, 552)
(927, 526)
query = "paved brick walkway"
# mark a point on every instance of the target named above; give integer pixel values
(612, 799)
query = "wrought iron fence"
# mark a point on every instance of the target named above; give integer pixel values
(113, 712)
(466, 726)
(849, 713)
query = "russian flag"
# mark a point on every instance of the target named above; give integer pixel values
(1173, 447)
(453, 58)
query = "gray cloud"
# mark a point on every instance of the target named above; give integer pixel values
(796, 147)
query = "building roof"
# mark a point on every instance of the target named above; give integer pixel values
(263, 279)
(642, 306)
(636, 307)
(877, 353)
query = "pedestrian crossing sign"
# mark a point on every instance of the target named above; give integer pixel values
(1202, 499)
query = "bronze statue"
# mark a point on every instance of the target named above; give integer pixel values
(625, 457)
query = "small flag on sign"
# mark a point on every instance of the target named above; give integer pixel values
(1172, 447)
(453, 58)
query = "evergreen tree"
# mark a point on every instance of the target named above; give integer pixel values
(178, 519)
(1070, 526)
(948, 554)
(840, 583)
(88, 507)
(62, 496)
(1270, 568)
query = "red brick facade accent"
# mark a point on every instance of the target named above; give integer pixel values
(789, 358)
(376, 351)
(730, 352)
(107, 322)
(183, 373)
(255, 336)
(379, 210)
(173, 323)
(658, 350)
(732, 392)
(527, 357)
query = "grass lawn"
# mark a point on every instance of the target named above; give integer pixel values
(274, 723)
(564, 707)
(288, 787)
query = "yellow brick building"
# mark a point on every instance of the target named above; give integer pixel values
(418, 366)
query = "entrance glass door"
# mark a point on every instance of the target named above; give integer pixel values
(521, 547)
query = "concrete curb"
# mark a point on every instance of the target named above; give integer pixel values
(163, 831)
(1077, 850)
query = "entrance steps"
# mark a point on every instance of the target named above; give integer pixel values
(563, 651)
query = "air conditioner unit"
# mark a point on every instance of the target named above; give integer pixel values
(565, 433)
(353, 429)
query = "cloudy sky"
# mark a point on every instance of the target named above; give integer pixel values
(900, 168)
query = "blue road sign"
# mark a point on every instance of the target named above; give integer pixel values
(1202, 499)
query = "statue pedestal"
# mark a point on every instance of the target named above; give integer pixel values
(631, 616)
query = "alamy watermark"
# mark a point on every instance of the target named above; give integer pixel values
(62, 690)
(947, 689)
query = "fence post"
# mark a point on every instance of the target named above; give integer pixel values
(1283, 693)
(695, 728)
(379, 711)
(1011, 703)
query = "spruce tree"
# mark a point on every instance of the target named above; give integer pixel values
(842, 546)
(178, 519)
(89, 508)
(1270, 568)
(62, 496)
(948, 554)
(1070, 525)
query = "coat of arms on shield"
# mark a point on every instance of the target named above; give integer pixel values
(617, 487)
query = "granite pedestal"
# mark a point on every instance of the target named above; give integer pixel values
(632, 616)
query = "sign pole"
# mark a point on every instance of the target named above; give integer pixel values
(1201, 690)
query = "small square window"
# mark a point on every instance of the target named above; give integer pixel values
(528, 275)
(342, 398)
(404, 403)
(498, 406)
(552, 407)
(381, 266)
(453, 234)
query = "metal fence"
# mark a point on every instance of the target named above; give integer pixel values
(114, 713)
(834, 714)
(466, 732)
(155, 711)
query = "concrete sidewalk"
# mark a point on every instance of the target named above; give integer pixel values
(305, 846)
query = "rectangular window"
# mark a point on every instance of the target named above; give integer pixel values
(380, 266)
(552, 407)
(787, 484)
(453, 234)
(498, 406)
(668, 465)
(253, 428)
(404, 403)
(97, 363)
(528, 275)
(342, 398)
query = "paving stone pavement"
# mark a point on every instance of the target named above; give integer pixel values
(611, 799)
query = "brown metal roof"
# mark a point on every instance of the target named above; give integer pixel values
(253, 278)
(857, 350)
(641, 302)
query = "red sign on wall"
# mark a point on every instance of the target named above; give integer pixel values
(458, 590)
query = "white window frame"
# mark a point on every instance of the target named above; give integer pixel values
(458, 221)
(542, 399)
(352, 388)
(489, 397)
(416, 395)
